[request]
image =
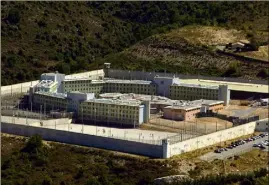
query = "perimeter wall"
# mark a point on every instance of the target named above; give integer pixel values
(207, 140)
(84, 139)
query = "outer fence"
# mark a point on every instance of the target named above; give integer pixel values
(235, 120)
(207, 140)
(85, 139)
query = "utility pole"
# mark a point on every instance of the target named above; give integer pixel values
(40, 116)
(27, 116)
(82, 119)
(44, 109)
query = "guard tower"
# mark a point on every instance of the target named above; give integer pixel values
(106, 69)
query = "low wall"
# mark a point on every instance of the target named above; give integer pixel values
(207, 140)
(84, 139)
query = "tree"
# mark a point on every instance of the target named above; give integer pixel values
(92, 181)
(254, 44)
(34, 144)
(13, 16)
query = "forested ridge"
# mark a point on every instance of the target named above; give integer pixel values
(71, 37)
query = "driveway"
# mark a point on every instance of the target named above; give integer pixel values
(235, 151)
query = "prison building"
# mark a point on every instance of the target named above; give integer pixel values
(85, 85)
(125, 113)
(210, 105)
(50, 101)
(130, 86)
(182, 112)
(47, 86)
(193, 92)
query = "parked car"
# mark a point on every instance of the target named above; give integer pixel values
(217, 151)
(255, 145)
(262, 147)
(266, 134)
(230, 147)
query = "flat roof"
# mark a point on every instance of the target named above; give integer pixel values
(56, 95)
(196, 86)
(183, 107)
(207, 102)
(46, 83)
(116, 102)
(236, 86)
(110, 95)
(128, 81)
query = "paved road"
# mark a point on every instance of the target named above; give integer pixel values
(235, 151)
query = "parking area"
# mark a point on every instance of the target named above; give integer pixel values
(239, 147)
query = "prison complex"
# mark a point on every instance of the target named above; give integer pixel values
(88, 97)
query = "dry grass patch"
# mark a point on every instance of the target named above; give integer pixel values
(261, 54)
(206, 35)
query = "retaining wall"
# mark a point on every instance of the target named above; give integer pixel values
(84, 139)
(207, 140)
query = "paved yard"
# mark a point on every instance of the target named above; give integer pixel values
(235, 151)
(145, 136)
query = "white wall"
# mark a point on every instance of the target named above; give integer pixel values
(84, 139)
(262, 125)
(209, 139)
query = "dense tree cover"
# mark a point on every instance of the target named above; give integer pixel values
(69, 36)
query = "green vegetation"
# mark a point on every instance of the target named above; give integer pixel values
(70, 37)
(36, 163)
(33, 161)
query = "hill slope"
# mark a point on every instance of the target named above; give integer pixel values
(190, 50)
(39, 37)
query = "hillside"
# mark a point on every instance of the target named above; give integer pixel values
(190, 50)
(70, 37)
(50, 163)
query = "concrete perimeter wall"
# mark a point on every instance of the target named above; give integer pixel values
(24, 87)
(209, 139)
(140, 75)
(84, 139)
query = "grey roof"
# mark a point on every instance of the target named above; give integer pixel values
(45, 83)
(128, 81)
(196, 86)
(56, 95)
(116, 102)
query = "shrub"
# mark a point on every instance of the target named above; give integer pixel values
(263, 73)
(34, 144)
(14, 16)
